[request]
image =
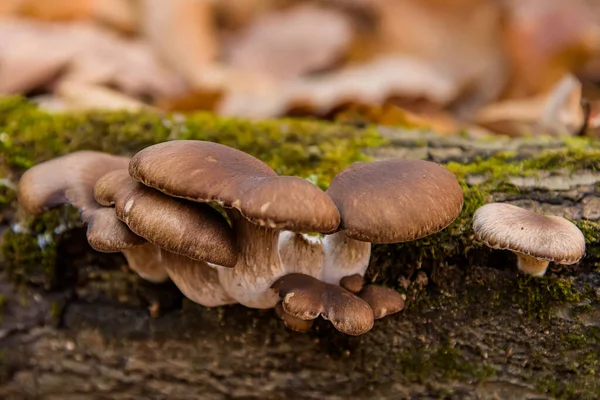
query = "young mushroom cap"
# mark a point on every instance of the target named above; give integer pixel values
(293, 323)
(542, 237)
(382, 300)
(395, 201)
(211, 172)
(107, 234)
(306, 298)
(352, 283)
(189, 229)
(66, 179)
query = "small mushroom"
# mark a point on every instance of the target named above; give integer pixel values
(382, 300)
(68, 179)
(295, 324)
(535, 238)
(306, 298)
(352, 283)
(259, 203)
(107, 234)
(384, 202)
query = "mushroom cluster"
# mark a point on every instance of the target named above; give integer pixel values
(284, 242)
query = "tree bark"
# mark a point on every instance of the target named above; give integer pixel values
(473, 328)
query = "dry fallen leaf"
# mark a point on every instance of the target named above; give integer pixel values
(84, 96)
(558, 112)
(462, 38)
(547, 39)
(372, 83)
(291, 42)
(182, 33)
(34, 54)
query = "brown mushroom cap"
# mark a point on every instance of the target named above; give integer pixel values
(210, 172)
(66, 179)
(382, 300)
(396, 200)
(295, 324)
(544, 237)
(352, 283)
(186, 228)
(107, 234)
(306, 298)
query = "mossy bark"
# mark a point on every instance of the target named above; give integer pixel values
(76, 324)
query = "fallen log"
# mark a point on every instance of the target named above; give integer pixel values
(78, 324)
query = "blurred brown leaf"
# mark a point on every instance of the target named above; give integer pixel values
(292, 42)
(461, 38)
(558, 112)
(33, 54)
(372, 83)
(547, 39)
(182, 33)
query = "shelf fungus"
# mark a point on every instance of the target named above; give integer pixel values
(535, 238)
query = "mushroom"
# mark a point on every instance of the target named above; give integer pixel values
(70, 179)
(536, 239)
(193, 230)
(191, 236)
(382, 300)
(295, 324)
(352, 283)
(259, 203)
(107, 234)
(306, 298)
(384, 202)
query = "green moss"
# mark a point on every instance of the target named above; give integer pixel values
(424, 364)
(538, 296)
(30, 249)
(582, 371)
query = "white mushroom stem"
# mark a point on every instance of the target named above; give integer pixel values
(531, 266)
(258, 266)
(343, 257)
(302, 254)
(198, 281)
(146, 261)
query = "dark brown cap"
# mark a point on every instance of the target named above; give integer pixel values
(66, 179)
(544, 237)
(210, 172)
(183, 227)
(306, 298)
(396, 200)
(107, 234)
(295, 324)
(352, 283)
(383, 301)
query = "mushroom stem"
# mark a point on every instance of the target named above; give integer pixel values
(145, 260)
(301, 253)
(343, 257)
(196, 280)
(258, 265)
(531, 265)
